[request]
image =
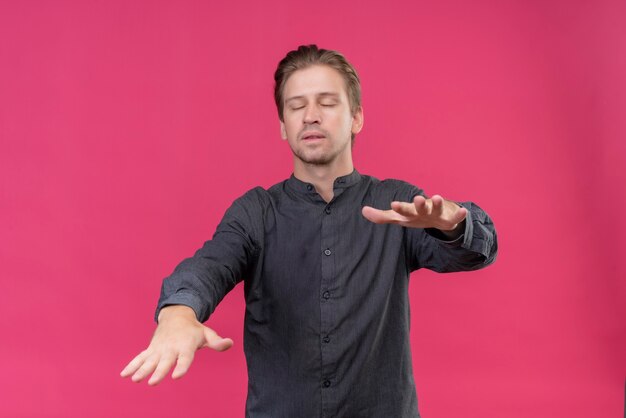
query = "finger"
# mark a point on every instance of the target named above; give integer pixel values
(165, 364)
(382, 216)
(421, 205)
(455, 219)
(455, 212)
(437, 205)
(146, 368)
(215, 342)
(405, 209)
(134, 364)
(182, 364)
(459, 215)
(221, 344)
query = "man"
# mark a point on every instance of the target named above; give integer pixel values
(325, 269)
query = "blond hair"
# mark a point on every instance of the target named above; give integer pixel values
(309, 55)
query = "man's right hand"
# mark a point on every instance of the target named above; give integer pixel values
(177, 337)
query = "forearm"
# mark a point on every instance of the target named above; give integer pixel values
(199, 283)
(202, 281)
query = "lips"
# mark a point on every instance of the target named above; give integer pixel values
(312, 135)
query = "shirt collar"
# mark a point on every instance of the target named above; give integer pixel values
(340, 183)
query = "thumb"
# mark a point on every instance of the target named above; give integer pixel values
(215, 342)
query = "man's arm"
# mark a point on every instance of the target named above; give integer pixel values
(442, 235)
(193, 291)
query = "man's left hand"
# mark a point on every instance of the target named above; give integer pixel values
(435, 212)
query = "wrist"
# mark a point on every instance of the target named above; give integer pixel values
(176, 311)
(455, 232)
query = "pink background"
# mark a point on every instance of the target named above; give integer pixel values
(127, 128)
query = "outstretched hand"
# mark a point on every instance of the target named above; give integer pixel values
(435, 212)
(177, 338)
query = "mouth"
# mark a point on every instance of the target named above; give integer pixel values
(311, 135)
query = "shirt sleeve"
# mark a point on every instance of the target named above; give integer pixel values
(203, 280)
(476, 248)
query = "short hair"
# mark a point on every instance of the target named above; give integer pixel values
(308, 55)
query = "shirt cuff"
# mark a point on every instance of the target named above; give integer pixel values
(183, 298)
(441, 237)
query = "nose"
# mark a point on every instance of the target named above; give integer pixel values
(312, 114)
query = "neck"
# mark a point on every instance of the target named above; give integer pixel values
(322, 176)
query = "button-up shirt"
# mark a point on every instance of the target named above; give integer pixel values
(327, 307)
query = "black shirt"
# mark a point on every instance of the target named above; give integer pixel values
(327, 308)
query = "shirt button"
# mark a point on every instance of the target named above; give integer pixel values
(326, 295)
(326, 383)
(327, 251)
(309, 187)
(326, 339)
(327, 210)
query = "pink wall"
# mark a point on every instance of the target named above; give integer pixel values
(127, 128)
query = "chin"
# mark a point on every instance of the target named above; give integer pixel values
(314, 159)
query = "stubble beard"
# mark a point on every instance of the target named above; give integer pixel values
(316, 160)
(324, 158)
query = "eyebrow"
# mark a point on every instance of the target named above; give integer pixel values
(323, 94)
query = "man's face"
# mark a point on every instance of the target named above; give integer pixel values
(318, 123)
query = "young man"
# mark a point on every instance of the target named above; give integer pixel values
(325, 270)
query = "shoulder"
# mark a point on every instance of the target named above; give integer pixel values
(246, 214)
(252, 203)
(392, 188)
(254, 196)
(259, 199)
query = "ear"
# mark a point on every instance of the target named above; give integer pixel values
(283, 131)
(357, 121)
